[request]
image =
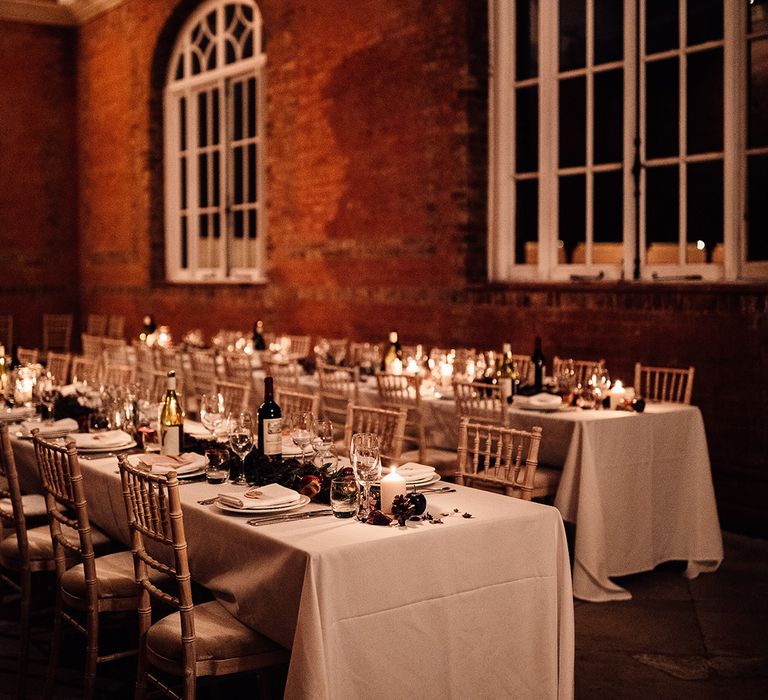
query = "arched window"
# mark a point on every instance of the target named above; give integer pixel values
(214, 147)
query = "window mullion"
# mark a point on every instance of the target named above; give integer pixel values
(548, 140)
(682, 135)
(193, 189)
(590, 133)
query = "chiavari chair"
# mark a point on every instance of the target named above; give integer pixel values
(28, 356)
(196, 640)
(57, 332)
(387, 423)
(296, 402)
(339, 386)
(664, 383)
(96, 325)
(58, 363)
(236, 395)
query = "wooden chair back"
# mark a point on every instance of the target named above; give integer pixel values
(388, 424)
(296, 402)
(116, 327)
(285, 373)
(480, 402)
(6, 332)
(404, 391)
(365, 355)
(9, 488)
(57, 332)
(237, 367)
(499, 457)
(85, 369)
(115, 350)
(58, 363)
(339, 386)
(335, 348)
(27, 356)
(237, 396)
(582, 368)
(116, 374)
(523, 366)
(664, 383)
(300, 345)
(158, 384)
(204, 374)
(96, 325)
(91, 346)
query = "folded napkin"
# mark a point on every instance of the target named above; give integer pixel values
(412, 471)
(196, 429)
(162, 464)
(260, 497)
(544, 399)
(56, 429)
(107, 440)
(18, 413)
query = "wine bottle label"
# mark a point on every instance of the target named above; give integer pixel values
(273, 436)
(170, 439)
(505, 385)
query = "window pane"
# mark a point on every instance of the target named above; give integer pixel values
(572, 212)
(526, 39)
(184, 249)
(203, 233)
(183, 123)
(758, 94)
(216, 182)
(573, 31)
(608, 207)
(526, 221)
(705, 208)
(572, 122)
(252, 227)
(183, 192)
(609, 117)
(662, 112)
(705, 21)
(215, 116)
(202, 119)
(202, 179)
(180, 67)
(237, 101)
(662, 25)
(252, 172)
(662, 206)
(216, 218)
(758, 16)
(705, 101)
(238, 175)
(757, 208)
(527, 129)
(251, 107)
(609, 31)
(238, 224)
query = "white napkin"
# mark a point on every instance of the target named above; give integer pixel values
(260, 497)
(162, 464)
(196, 429)
(56, 429)
(73, 389)
(18, 413)
(412, 471)
(544, 399)
(107, 440)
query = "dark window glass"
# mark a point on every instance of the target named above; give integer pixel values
(757, 208)
(183, 123)
(573, 119)
(608, 224)
(252, 230)
(216, 224)
(705, 101)
(526, 220)
(248, 45)
(202, 177)
(203, 225)
(573, 32)
(237, 30)
(238, 224)
(705, 204)
(184, 248)
(662, 28)
(215, 116)
(526, 39)
(252, 172)
(202, 119)
(247, 12)
(758, 16)
(229, 14)
(705, 21)
(211, 19)
(662, 205)
(215, 176)
(609, 117)
(183, 192)
(251, 106)
(238, 116)
(180, 67)
(609, 31)
(758, 93)
(238, 177)
(662, 108)
(195, 63)
(572, 212)
(229, 51)
(527, 129)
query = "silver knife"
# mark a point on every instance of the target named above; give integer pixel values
(289, 516)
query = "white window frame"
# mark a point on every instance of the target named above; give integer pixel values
(189, 87)
(502, 175)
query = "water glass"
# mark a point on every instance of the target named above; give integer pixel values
(240, 430)
(344, 497)
(302, 427)
(216, 467)
(366, 461)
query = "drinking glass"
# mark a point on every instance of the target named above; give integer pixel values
(240, 429)
(325, 457)
(212, 412)
(366, 462)
(302, 426)
(47, 391)
(344, 497)
(216, 468)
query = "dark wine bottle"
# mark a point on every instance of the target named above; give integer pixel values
(270, 447)
(258, 336)
(538, 360)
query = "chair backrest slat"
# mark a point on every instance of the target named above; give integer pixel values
(664, 383)
(296, 402)
(388, 424)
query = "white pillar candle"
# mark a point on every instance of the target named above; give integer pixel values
(397, 366)
(391, 485)
(617, 395)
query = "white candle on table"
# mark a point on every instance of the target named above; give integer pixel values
(397, 366)
(391, 485)
(617, 395)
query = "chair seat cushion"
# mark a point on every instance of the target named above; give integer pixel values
(218, 636)
(33, 504)
(115, 574)
(40, 547)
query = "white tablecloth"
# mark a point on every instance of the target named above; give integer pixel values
(478, 607)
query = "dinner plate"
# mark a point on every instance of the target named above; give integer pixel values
(431, 479)
(190, 475)
(544, 408)
(303, 500)
(107, 448)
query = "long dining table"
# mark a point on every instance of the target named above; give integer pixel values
(476, 606)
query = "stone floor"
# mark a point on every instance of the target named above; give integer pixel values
(706, 638)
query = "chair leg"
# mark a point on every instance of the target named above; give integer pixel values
(26, 601)
(145, 620)
(91, 653)
(53, 659)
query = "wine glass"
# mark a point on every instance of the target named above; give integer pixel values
(240, 429)
(302, 426)
(325, 455)
(48, 391)
(366, 461)
(212, 412)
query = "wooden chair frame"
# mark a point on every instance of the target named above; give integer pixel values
(339, 386)
(581, 368)
(27, 356)
(388, 424)
(58, 364)
(96, 325)
(57, 332)
(480, 402)
(237, 396)
(664, 383)
(285, 373)
(85, 369)
(296, 402)
(404, 391)
(116, 327)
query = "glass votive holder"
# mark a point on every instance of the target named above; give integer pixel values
(216, 465)
(344, 497)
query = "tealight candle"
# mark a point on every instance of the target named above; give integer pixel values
(391, 485)
(617, 395)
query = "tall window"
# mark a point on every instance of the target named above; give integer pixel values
(619, 142)
(214, 147)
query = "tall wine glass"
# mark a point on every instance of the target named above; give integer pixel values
(366, 461)
(240, 428)
(302, 427)
(212, 412)
(47, 391)
(325, 455)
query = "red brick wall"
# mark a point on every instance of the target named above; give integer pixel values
(38, 232)
(377, 136)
